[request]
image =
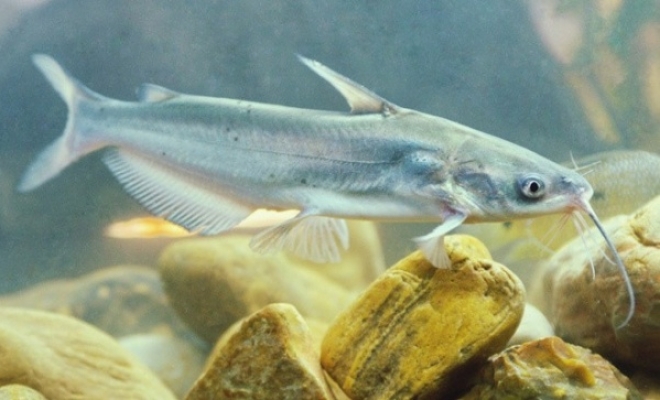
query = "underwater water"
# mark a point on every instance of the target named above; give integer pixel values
(456, 59)
(495, 66)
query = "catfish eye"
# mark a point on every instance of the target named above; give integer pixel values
(532, 187)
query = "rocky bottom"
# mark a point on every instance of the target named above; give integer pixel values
(217, 321)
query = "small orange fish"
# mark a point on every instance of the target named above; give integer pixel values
(145, 228)
(154, 227)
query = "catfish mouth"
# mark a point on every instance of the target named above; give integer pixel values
(582, 204)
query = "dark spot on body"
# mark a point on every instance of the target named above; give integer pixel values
(271, 176)
(303, 181)
(235, 138)
(227, 129)
(598, 195)
(478, 183)
(162, 153)
(507, 224)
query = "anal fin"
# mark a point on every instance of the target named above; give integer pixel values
(311, 237)
(175, 195)
(432, 244)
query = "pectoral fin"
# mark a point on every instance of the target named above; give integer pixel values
(316, 238)
(432, 244)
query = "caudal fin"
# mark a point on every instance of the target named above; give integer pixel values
(64, 150)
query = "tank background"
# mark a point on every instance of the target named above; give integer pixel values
(478, 63)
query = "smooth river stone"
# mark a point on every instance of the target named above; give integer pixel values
(419, 331)
(549, 368)
(586, 309)
(534, 325)
(214, 282)
(64, 358)
(268, 355)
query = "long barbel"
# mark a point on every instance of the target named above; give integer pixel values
(587, 209)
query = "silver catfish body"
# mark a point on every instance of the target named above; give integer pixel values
(207, 163)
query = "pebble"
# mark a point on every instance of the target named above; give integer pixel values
(268, 355)
(550, 368)
(64, 358)
(534, 325)
(418, 331)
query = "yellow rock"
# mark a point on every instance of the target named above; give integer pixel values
(65, 359)
(418, 331)
(269, 355)
(549, 368)
(19, 392)
(586, 309)
(214, 282)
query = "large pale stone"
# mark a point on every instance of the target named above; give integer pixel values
(418, 331)
(268, 355)
(214, 282)
(549, 368)
(66, 359)
(586, 309)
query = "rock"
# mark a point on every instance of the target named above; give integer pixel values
(551, 369)
(64, 358)
(534, 325)
(177, 362)
(214, 282)
(586, 309)
(19, 392)
(120, 300)
(418, 331)
(269, 355)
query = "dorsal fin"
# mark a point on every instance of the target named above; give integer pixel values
(151, 93)
(359, 98)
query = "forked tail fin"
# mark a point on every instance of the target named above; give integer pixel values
(64, 150)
